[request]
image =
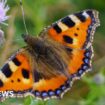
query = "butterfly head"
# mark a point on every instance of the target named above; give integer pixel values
(30, 40)
(36, 43)
(25, 37)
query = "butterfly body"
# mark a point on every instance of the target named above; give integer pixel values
(46, 67)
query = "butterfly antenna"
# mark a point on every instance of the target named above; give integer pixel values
(23, 15)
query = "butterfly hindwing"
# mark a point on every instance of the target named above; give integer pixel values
(78, 67)
(51, 88)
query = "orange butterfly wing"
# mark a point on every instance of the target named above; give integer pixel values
(76, 32)
(51, 88)
(15, 75)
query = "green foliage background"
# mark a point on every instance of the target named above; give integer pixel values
(90, 90)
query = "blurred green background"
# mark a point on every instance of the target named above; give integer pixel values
(90, 90)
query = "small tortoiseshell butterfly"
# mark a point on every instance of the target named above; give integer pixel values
(47, 66)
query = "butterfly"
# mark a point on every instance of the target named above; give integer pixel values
(47, 66)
